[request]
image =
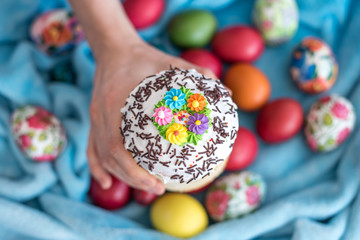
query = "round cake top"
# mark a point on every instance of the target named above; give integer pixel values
(179, 125)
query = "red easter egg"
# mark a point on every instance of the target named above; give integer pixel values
(238, 43)
(279, 120)
(200, 189)
(143, 13)
(144, 198)
(115, 197)
(244, 150)
(203, 58)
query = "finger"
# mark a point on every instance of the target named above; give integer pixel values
(139, 176)
(112, 166)
(118, 172)
(210, 74)
(229, 90)
(100, 175)
(204, 71)
(207, 72)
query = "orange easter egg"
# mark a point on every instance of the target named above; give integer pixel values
(251, 88)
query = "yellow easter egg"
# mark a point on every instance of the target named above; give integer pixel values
(179, 215)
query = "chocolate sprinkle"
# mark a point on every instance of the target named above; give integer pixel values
(182, 161)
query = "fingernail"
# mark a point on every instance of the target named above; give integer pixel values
(106, 184)
(149, 182)
(159, 189)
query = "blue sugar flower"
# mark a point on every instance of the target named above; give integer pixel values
(175, 98)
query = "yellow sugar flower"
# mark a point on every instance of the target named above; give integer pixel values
(176, 134)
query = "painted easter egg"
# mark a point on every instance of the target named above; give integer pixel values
(201, 189)
(251, 88)
(56, 32)
(313, 66)
(38, 133)
(238, 43)
(179, 215)
(144, 13)
(117, 196)
(329, 122)
(203, 58)
(235, 195)
(142, 197)
(279, 120)
(192, 28)
(276, 20)
(244, 150)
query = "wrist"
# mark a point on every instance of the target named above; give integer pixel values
(115, 44)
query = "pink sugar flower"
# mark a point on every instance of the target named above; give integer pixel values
(340, 110)
(252, 195)
(163, 115)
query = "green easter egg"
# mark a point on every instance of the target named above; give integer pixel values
(193, 28)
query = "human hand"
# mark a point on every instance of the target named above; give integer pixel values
(119, 70)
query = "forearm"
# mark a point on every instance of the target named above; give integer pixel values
(105, 24)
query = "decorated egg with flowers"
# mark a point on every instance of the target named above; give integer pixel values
(313, 66)
(56, 32)
(330, 121)
(38, 133)
(276, 20)
(234, 195)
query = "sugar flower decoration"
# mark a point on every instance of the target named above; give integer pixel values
(163, 115)
(198, 123)
(196, 102)
(172, 114)
(177, 134)
(175, 98)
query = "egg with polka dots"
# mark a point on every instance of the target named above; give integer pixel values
(235, 195)
(329, 123)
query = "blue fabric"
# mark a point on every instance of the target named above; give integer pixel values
(310, 195)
